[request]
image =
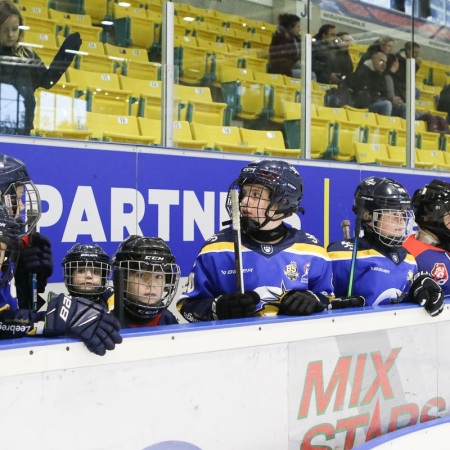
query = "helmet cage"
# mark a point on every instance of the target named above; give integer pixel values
(9, 247)
(23, 204)
(86, 270)
(148, 287)
(384, 219)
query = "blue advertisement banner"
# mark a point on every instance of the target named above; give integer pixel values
(103, 195)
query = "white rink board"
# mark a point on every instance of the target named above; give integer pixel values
(229, 387)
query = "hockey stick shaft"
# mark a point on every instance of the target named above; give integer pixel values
(236, 223)
(119, 292)
(354, 252)
(345, 225)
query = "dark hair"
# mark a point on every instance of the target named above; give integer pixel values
(288, 21)
(409, 45)
(391, 58)
(8, 9)
(324, 29)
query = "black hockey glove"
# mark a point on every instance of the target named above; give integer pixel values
(72, 42)
(35, 258)
(347, 302)
(427, 293)
(300, 303)
(79, 318)
(235, 306)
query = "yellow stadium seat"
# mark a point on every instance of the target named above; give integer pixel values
(40, 25)
(97, 10)
(268, 142)
(431, 159)
(102, 91)
(220, 138)
(397, 153)
(71, 23)
(135, 26)
(135, 62)
(182, 134)
(367, 153)
(44, 44)
(116, 128)
(200, 105)
(193, 62)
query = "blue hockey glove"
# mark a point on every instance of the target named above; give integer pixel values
(300, 303)
(427, 293)
(235, 306)
(79, 318)
(356, 301)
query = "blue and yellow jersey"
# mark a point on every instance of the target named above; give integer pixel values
(297, 262)
(380, 276)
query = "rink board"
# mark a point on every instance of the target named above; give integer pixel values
(330, 381)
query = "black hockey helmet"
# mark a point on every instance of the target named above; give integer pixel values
(430, 204)
(18, 193)
(10, 242)
(377, 197)
(149, 258)
(283, 181)
(87, 257)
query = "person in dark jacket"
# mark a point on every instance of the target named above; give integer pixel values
(284, 50)
(323, 45)
(369, 86)
(22, 71)
(338, 62)
(384, 44)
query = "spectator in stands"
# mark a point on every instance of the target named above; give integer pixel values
(338, 65)
(411, 50)
(370, 87)
(384, 44)
(324, 42)
(380, 269)
(284, 50)
(22, 71)
(430, 245)
(146, 278)
(393, 87)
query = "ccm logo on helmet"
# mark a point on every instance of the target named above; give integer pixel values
(155, 258)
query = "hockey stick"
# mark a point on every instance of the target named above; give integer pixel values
(236, 223)
(345, 225)
(355, 247)
(119, 286)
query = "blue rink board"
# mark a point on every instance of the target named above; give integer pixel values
(10, 344)
(182, 174)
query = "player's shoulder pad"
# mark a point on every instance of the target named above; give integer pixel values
(343, 245)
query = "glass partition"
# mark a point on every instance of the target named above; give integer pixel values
(344, 80)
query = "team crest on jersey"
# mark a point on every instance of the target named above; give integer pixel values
(306, 268)
(267, 248)
(291, 271)
(394, 257)
(440, 273)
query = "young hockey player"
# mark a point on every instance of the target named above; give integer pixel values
(64, 316)
(431, 244)
(87, 271)
(147, 277)
(21, 198)
(383, 270)
(285, 271)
